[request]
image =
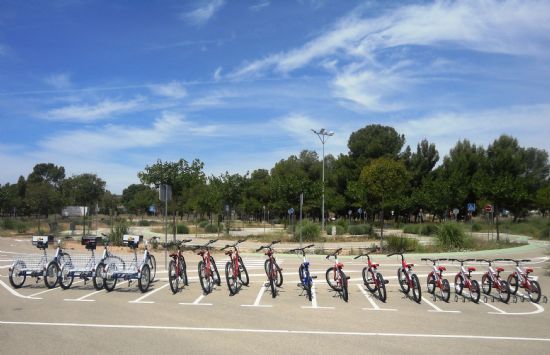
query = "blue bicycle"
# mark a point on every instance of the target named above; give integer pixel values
(306, 280)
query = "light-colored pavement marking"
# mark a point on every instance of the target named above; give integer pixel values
(539, 309)
(197, 302)
(369, 297)
(314, 304)
(4, 266)
(435, 308)
(17, 294)
(53, 289)
(83, 298)
(139, 300)
(258, 299)
(275, 331)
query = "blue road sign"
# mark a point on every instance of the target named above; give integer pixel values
(471, 207)
(359, 211)
(291, 210)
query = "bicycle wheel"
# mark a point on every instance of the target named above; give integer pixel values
(109, 278)
(206, 281)
(279, 278)
(66, 279)
(17, 277)
(504, 291)
(474, 291)
(486, 284)
(344, 286)
(183, 271)
(215, 273)
(368, 279)
(145, 280)
(272, 277)
(403, 282)
(459, 284)
(382, 296)
(243, 273)
(306, 281)
(152, 266)
(445, 290)
(63, 258)
(51, 275)
(97, 278)
(513, 283)
(534, 291)
(331, 279)
(417, 293)
(430, 281)
(231, 279)
(173, 278)
(266, 267)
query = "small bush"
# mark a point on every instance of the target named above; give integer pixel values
(339, 229)
(213, 228)
(203, 223)
(360, 229)
(396, 244)
(118, 229)
(311, 232)
(8, 224)
(180, 229)
(411, 229)
(545, 234)
(343, 223)
(428, 229)
(476, 227)
(144, 223)
(450, 235)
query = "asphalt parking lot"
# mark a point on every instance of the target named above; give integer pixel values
(35, 319)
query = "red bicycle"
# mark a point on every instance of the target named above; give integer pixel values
(491, 279)
(336, 278)
(235, 271)
(408, 279)
(435, 279)
(272, 270)
(464, 279)
(372, 278)
(208, 272)
(521, 278)
(177, 269)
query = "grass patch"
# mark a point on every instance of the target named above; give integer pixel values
(360, 229)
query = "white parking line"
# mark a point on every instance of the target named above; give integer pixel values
(139, 300)
(276, 331)
(197, 302)
(314, 304)
(435, 308)
(52, 289)
(82, 299)
(539, 309)
(375, 307)
(258, 299)
(17, 294)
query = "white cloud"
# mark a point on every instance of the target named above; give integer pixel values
(59, 81)
(508, 27)
(173, 90)
(89, 113)
(218, 74)
(201, 15)
(529, 124)
(262, 4)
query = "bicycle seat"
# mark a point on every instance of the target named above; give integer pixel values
(173, 255)
(471, 268)
(410, 265)
(201, 252)
(499, 269)
(375, 265)
(339, 265)
(528, 270)
(441, 268)
(229, 252)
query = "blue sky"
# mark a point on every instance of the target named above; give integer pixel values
(108, 87)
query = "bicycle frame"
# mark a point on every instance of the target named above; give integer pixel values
(437, 271)
(337, 267)
(372, 268)
(494, 276)
(234, 256)
(177, 255)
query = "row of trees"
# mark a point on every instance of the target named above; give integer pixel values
(378, 175)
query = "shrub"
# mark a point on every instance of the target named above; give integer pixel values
(476, 227)
(144, 223)
(396, 244)
(180, 229)
(311, 232)
(339, 230)
(8, 224)
(450, 235)
(545, 234)
(343, 223)
(213, 228)
(411, 229)
(360, 229)
(118, 229)
(428, 229)
(203, 223)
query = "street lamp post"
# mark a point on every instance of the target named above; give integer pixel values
(323, 135)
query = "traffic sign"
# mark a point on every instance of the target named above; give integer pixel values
(455, 211)
(488, 208)
(291, 210)
(359, 211)
(471, 207)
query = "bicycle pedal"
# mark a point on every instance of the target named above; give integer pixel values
(314, 277)
(299, 285)
(266, 284)
(386, 282)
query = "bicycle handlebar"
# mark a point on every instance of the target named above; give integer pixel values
(462, 261)
(434, 260)
(334, 254)
(301, 249)
(269, 245)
